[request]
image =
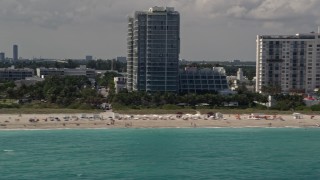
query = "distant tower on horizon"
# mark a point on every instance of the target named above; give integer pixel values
(2, 56)
(15, 52)
(89, 58)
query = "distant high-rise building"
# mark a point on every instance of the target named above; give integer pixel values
(2, 56)
(15, 52)
(153, 50)
(89, 58)
(121, 59)
(290, 63)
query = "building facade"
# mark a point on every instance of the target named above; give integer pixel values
(12, 74)
(153, 50)
(120, 83)
(82, 71)
(121, 59)
(288, 62)
(193, 80)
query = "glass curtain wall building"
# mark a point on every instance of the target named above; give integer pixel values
(193, 80)
(153, 50)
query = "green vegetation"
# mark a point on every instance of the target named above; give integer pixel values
(141, 102)
(53, 92)
(98, 64)
(204, 111)
(45, 111)
(107, 65)
(78, 93)
(137, 100)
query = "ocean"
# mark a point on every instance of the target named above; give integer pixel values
(145, 154)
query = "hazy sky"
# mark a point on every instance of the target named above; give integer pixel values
(210, 29)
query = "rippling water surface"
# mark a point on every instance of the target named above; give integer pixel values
(240, 153)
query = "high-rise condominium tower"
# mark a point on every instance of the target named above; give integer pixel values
(15, 52)
(2, 56)
(153, 50)
(289, 62)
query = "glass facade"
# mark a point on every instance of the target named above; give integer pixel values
(153, 50)
(15, 74)
(204, 80)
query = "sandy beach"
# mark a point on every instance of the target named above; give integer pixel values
(111, 120)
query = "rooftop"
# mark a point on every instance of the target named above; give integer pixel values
(296, 36)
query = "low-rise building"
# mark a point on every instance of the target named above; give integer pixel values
(237, 81)
(82, 71)
(10, 74)
(120, 83)
(44, 72)
(194, 80)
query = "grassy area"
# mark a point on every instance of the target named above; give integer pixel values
(45, 111)
(204, 111)
(7, 101)
(9, 106)
(32, 110)
(245, 111)
(154, 111)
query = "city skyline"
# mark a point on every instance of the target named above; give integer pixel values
(210, 30)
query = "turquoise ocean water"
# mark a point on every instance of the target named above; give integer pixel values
(226, 153)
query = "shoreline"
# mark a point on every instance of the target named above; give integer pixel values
(110, 120)
(247, 127)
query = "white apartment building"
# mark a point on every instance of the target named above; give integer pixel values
(120, 83)
(291, 62)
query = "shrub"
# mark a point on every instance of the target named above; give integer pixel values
(118, 106)
(85, 107)
(260, 107)
(315, 107)
(9, 106)
(74, 106)
(135, 107)
(303, 108)
(170, 107)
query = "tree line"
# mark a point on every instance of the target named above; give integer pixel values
(80, 92)
(99, 64)
(245, 99)
(158, 99)
(64, 92)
